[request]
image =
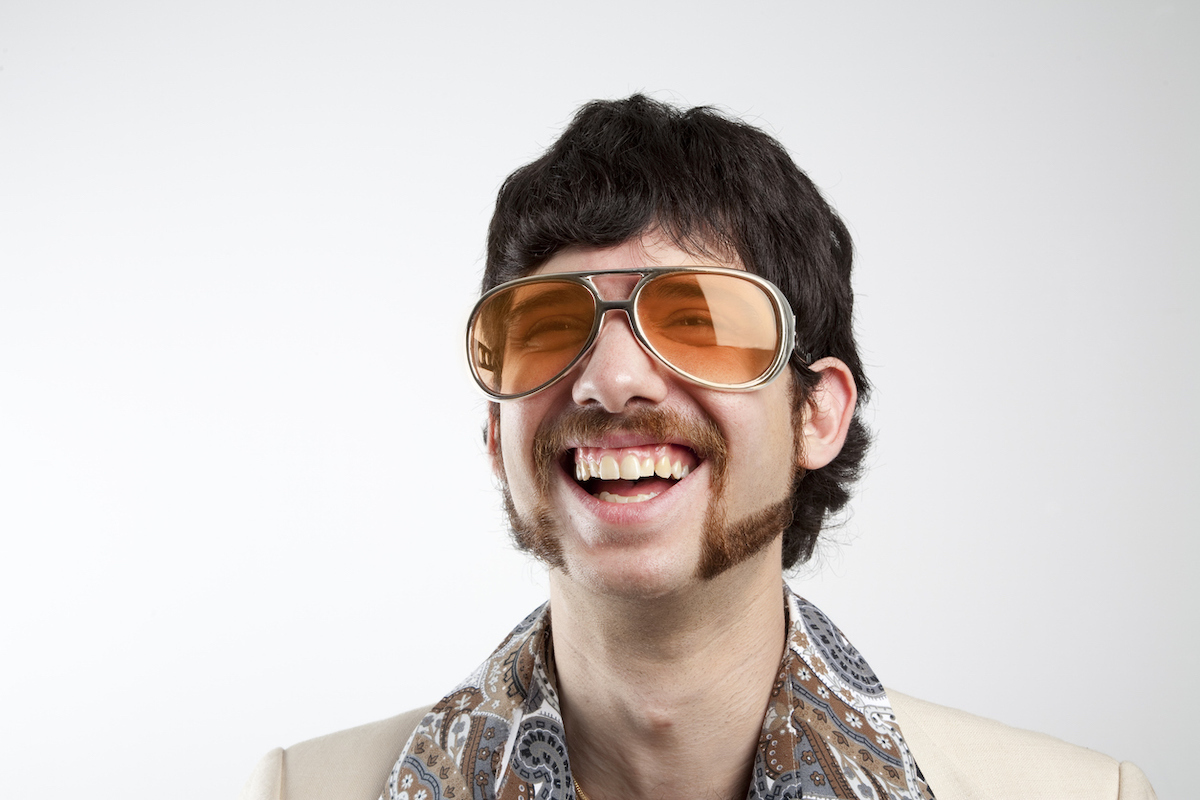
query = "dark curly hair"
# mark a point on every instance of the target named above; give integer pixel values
(708, 182)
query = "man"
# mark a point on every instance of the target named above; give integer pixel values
(666, 333)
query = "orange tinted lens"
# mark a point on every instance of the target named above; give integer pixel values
(523, 337)
(718, 328)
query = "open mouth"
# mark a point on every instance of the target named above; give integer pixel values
(629, 474)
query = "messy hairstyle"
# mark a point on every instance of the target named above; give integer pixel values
(712, 185)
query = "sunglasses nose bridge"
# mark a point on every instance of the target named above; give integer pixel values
(603, 307)
(617, 366)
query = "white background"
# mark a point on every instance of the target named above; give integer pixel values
(243, 500)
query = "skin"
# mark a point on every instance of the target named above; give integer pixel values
(648, 652)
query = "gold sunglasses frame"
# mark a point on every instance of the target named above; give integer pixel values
(785, 324)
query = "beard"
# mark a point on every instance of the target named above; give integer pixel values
(723, 544)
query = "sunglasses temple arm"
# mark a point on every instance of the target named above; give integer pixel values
(802, 357)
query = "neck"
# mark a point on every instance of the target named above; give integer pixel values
(666, 697)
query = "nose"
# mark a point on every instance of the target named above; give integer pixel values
(618, 371)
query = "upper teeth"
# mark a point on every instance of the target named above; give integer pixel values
(630, 468)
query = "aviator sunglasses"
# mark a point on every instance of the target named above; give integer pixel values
(720, 328)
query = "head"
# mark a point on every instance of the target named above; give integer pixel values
(712, 187)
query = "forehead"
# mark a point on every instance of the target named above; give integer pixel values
(647, 251)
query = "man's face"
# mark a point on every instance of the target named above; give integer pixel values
(714, 468)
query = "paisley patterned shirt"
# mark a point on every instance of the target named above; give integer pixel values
(829, 730)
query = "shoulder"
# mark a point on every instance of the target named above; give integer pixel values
(965, 756)
(351, 764)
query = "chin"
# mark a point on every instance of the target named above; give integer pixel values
(629, 576)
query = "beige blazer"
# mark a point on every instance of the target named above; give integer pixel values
(964, 757)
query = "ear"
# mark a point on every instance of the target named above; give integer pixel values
(827, 414)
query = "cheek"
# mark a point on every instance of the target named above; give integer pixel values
(509, 443)
(766, 458)
(515, 448)
(783, 423)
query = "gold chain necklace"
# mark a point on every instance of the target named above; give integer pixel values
(579, 790)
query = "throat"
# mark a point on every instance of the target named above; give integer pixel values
(682, 726)
(664, 696)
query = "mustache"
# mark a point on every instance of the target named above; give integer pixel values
(655, 424)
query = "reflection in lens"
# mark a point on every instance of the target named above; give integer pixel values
(718, 328)
(523, 337)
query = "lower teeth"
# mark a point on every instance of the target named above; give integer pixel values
(609, 497)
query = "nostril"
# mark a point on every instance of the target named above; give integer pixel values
(619, 370)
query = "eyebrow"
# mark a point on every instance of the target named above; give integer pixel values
(679, 288)
(548, 298)
(694, 289)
